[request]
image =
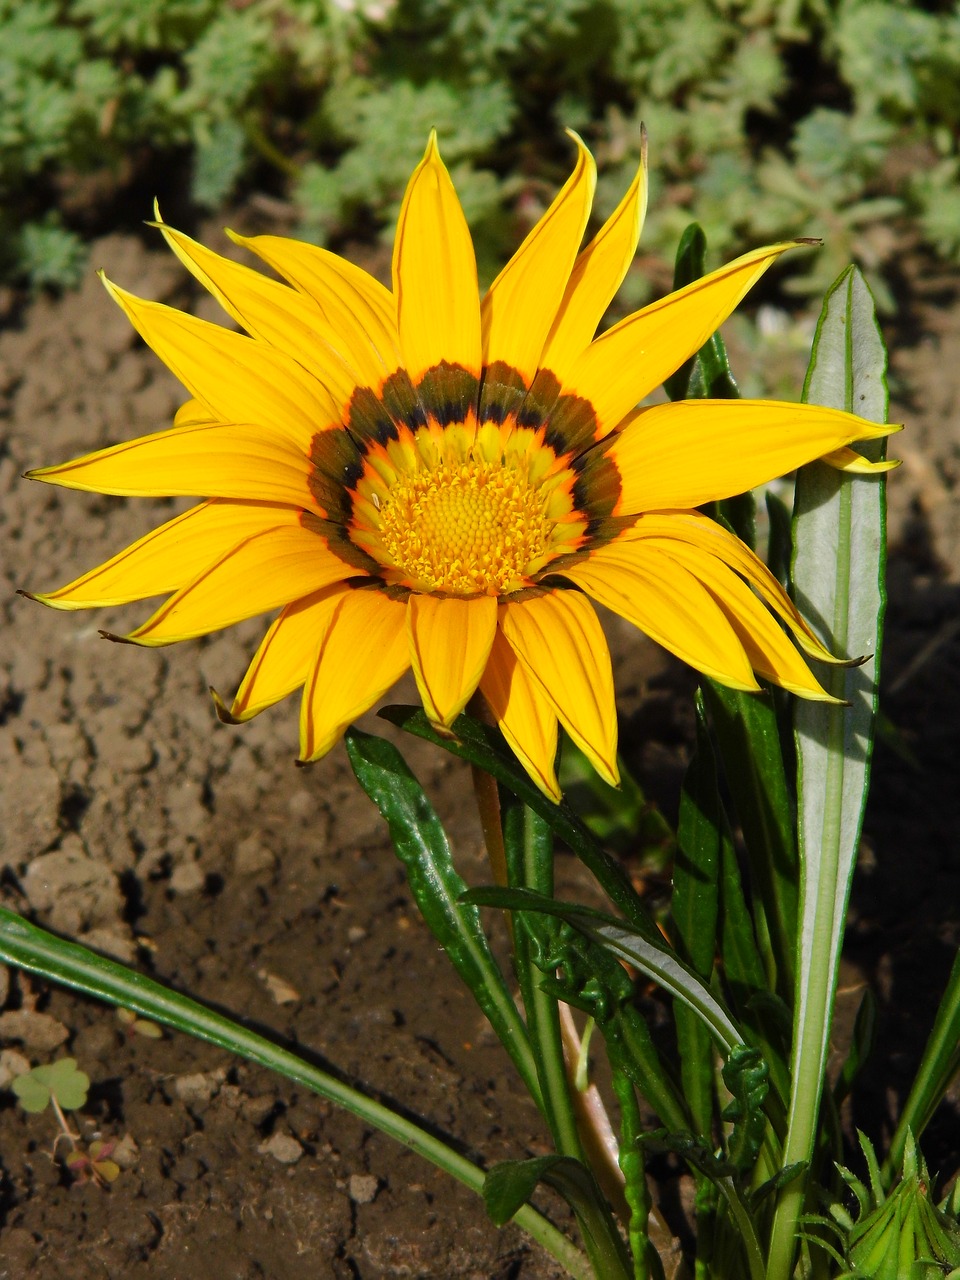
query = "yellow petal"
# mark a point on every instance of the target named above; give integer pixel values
(522, 303)
(191, 411)
(526, 718)
(212, 460)
(450, 641)
(769, 651)
(435, 273)
(236, 378)
(352, 302)
(695, 451)
(270, 568)
(596, 277)
(286, 654)
(282, 317)
(713, 540)
(633, 358)
(167, 558)
(669, 605)
(854, 463)
(362, 652)
(558, 639)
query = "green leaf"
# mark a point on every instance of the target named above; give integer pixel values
(421, 845)
(620, 939)
(36, 951)
(32, 1094)
(838, 583)
(60, 1080)
(694, 910)
(510, 1185)
(749, 747)
(938, 1067)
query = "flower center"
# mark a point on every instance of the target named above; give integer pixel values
(464, 511)
(465, 527)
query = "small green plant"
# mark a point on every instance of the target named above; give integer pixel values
(63, 1087)
(896, 1233)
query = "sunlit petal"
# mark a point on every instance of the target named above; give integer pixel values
(595, 279)
(525, 716)
(286, 655)
(450, 642)
(661, 598)
(435, 273)
(269, 569)
(696, 451)
(633, 358)
(236, 378)
(361, 653)
(558, 638)
(282, 317)
(768, 650)
(353, 304)
(204, 459)
(167, 558)
(522, 303)
(713, 540)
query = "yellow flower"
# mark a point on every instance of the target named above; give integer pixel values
(418, 478)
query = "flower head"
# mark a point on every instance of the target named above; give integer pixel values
(420, 479)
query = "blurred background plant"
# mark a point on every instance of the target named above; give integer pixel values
(837, 118)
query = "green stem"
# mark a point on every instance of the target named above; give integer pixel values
(543, 1019)
(37, 951)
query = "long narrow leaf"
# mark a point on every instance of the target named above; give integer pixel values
(694, 907)
(838, 583)
(655, 959)
(421, 844)
(36, 951)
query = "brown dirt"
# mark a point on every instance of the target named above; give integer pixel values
(133, 820)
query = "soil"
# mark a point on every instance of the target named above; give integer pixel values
(132, 820)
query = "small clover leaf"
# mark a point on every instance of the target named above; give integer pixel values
(60, 1080)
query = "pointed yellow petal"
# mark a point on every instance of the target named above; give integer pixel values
(526, 718)
(633, 358)
(450, 641)
(596, 277)
(435, 273)
(713, 540)
(191, 411)
(270, 568)
(667, 603)
(559, 641)
(211, 460)
(695, 451)
(286, 654)
(167, 558)
(854, 463)
(769, 651)
(236, 378)
(522, 303)
(362, 652)
(352, 302)
(282, 317)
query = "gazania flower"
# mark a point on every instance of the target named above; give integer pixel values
(422, 479)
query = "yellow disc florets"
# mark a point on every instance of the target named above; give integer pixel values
(446, 514)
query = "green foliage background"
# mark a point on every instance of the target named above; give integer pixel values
(767, 118)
